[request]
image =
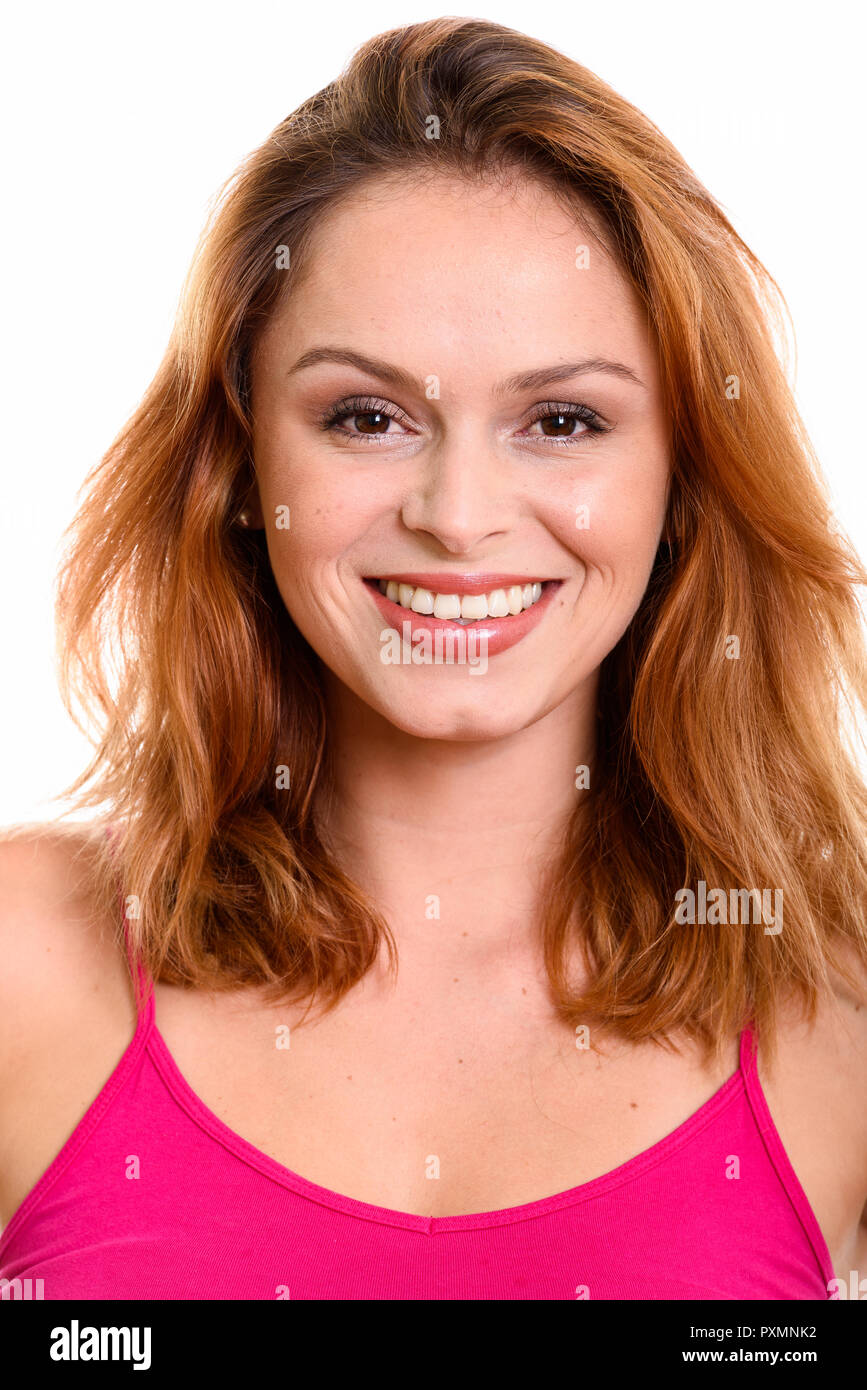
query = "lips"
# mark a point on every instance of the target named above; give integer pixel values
(500, 633)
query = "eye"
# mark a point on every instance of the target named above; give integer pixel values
(371, 419)
(558, 420)
(371, 416)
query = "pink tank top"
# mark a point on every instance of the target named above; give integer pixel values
(152, 1197)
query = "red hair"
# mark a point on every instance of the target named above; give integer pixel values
(175, 643)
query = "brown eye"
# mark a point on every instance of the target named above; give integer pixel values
(560, 422)
(378, 422)
(562, 425)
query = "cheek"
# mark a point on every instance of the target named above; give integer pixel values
(612, 520)
(330, 506)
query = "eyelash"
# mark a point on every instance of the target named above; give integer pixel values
(374, 405)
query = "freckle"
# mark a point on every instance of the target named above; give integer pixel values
(460, 1059)
(349, 1078)
(455, 980)
(523, 991)
(464, 933)
(633, 1105)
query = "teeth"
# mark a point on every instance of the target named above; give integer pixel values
(469, 608)
(447, 606)
(422, 601)
(474, 606)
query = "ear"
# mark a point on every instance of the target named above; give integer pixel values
(249, 514)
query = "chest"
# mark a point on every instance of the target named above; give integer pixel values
(437, 1116)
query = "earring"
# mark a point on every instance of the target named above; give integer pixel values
(243, 517)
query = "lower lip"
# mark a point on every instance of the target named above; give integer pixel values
(501, 633)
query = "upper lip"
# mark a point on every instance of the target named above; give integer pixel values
(439, 583)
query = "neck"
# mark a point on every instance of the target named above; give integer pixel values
(455, 828)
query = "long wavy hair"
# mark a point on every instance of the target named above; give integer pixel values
(178, 657)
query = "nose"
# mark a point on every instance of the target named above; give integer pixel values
(464, 492)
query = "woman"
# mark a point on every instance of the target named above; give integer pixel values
(467, 633)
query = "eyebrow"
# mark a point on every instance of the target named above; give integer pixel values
(521, 381)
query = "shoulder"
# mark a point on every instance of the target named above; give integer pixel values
(835, 1039)
(64, 969)
(825, 1058)
(50, 918)
(816, 1089)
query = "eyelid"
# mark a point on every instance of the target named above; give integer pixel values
(366, 405)
(580, 409)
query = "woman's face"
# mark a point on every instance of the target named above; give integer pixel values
(421, 409)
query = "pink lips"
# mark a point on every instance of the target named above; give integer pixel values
(501, 633)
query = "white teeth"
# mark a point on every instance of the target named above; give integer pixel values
(474, 606)
(422, 601)
(466, 608)
(447, 606)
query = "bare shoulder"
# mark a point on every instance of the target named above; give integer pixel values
(57, 943)
(832, 1048)
(66, 1001)
(816, 1090)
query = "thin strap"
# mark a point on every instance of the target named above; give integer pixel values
(777, 1153)
(748, 1054)
(142, 983)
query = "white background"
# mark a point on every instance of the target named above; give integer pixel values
(121, 122)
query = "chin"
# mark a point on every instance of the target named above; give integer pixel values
(458, 719)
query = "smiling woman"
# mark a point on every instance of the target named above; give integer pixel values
(468, 361)
(455, 471)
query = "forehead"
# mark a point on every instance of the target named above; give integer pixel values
(440, 267)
